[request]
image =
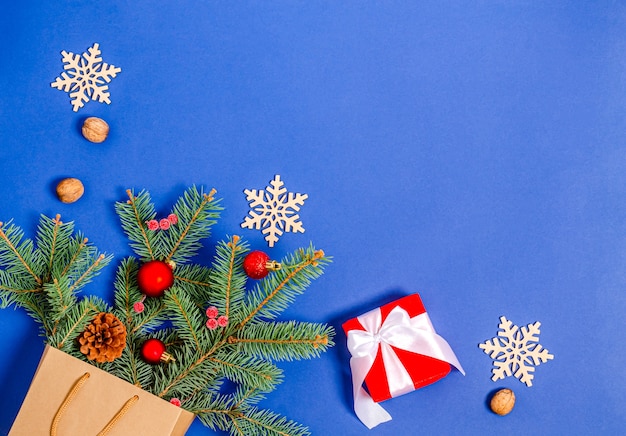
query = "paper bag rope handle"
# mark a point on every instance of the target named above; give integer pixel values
(70, 396)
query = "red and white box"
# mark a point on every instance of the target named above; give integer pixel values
(395, 350)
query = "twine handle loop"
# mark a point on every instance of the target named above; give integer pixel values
(70, 396)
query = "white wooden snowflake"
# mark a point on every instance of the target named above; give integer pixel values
(85, 77)
(516, 351)
(274, 210)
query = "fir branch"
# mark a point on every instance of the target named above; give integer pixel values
(59, 298)
(77, 317)
(190, 373)
(194, 280)
(19, 290)
(213, 384)
(236, 414)
(214, 418)
(36, 311)
(53, 237)
(185, 316)
(248, 370)
(235, 426)
(75, 252)
(228, 279)
(212, 410)
(152, 318)
(279, 289)
(53, 240)
(17, 256)
(16, 288)
(247, 396)
(10, 296)
(191, 366)
(284, 340)
(130, 367)
(266, 422)
(229, 291)
(196, 212)
(134, 213)
(126, 291)
(188, 279)
(100, 262)
(79, 261)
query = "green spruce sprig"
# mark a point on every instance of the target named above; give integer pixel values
(196, 212)
(134, 214)
(45, 278)
(277, 291)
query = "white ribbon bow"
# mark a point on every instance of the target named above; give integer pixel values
(401, 331)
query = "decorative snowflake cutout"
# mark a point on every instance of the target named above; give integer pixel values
(274, 211)
(516, 351)
(85, 77)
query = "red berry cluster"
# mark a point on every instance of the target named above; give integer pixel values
(163, 223)
(214, 321)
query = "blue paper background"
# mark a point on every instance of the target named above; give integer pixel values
(473, 153)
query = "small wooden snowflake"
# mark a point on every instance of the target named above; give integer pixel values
(85, 77)
(274, 211)
(516, 351)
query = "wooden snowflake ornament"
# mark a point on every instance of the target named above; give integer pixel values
(274, 211)
(516, 351)
(85, 77)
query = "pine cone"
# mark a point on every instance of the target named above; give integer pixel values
(104, 339)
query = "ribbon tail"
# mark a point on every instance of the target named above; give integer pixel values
(447, 353)
(370, 413)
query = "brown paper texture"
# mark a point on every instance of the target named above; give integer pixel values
(98, 400)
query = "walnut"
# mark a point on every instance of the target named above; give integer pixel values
(70, 190)
(503, 401)
(95, 129)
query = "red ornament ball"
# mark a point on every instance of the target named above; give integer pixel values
(255, 265)
(152, 350)
(154, 277)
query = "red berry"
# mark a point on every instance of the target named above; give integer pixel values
(255, 265)
(154, 278)
(152, 350)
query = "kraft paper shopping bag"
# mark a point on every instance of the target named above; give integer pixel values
(70, 397)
